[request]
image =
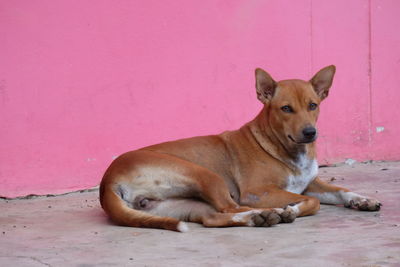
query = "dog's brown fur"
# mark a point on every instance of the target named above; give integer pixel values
(262, 174)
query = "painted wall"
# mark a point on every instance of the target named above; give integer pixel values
(84, 81)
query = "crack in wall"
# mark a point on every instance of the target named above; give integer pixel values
(311, 40)
(370, 132)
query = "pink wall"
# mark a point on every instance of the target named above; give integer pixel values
(83, 81)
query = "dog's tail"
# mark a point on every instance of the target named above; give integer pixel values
(121, 214)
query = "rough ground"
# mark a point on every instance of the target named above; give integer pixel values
(72, 230)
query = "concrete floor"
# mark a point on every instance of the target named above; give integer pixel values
(72, 230)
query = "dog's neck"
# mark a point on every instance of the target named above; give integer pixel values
(264, 135)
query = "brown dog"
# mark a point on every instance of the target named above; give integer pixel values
(262, 174)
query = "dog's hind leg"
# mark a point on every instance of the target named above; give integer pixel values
(193, 210)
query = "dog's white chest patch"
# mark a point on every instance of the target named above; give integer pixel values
(308, 172)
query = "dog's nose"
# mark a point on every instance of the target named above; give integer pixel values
(309, 132)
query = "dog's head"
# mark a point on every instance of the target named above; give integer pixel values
(292, 106)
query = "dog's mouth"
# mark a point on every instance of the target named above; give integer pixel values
(302, 142)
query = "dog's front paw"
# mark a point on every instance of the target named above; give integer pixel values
(363, 204)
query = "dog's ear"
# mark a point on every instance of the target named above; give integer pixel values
(322, 81)
(265, 85)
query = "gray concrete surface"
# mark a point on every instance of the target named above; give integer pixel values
(72, 230)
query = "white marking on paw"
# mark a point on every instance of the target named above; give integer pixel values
(279, 210)
(295, 208)
(243, 217)
(182, 227)
(240, 217)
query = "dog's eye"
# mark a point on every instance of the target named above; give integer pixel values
(313, 106)
(287, 109)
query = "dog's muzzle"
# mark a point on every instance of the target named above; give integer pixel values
(309, 136)
(309, 133)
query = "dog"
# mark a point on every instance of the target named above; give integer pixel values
(260, 175)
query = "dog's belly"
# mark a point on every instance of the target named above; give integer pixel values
(308, 172)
